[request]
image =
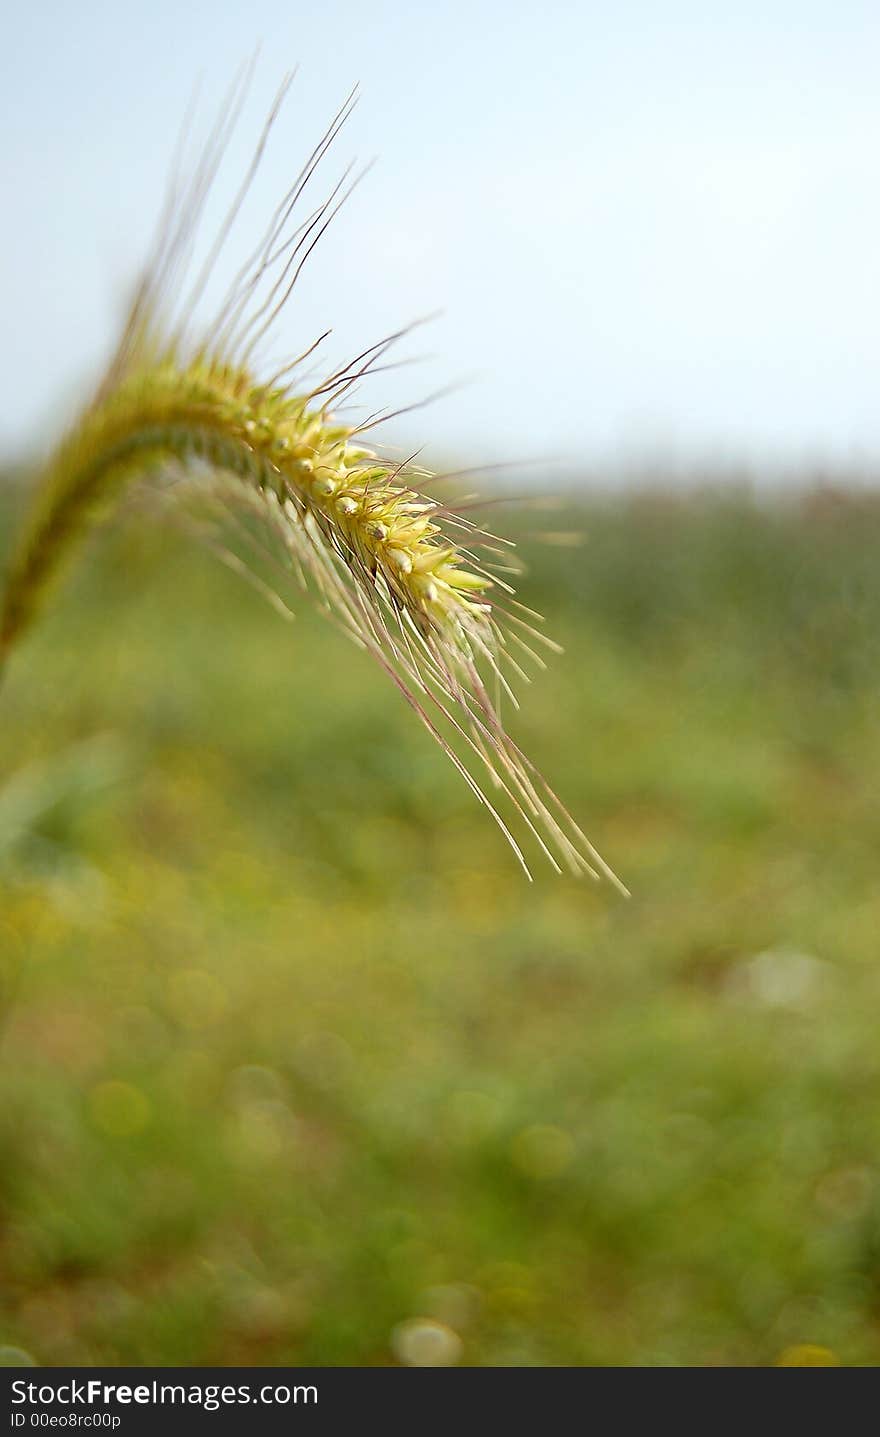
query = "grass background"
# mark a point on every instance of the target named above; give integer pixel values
(293, 1056)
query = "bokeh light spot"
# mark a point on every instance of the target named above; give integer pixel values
(542, 1152)
(119, 1109)
(420, 1342)
(806, 1354)
(16, 1357)
(196, 998)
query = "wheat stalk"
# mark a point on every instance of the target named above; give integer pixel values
(411, 580)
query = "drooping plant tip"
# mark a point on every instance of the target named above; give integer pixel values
(412, 580)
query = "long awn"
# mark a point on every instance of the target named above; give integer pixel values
(414, 581)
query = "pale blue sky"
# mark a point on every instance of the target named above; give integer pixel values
(650, 226)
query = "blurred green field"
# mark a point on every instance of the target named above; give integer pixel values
(293, 1057)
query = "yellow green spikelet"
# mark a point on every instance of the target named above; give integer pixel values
(411, 580)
